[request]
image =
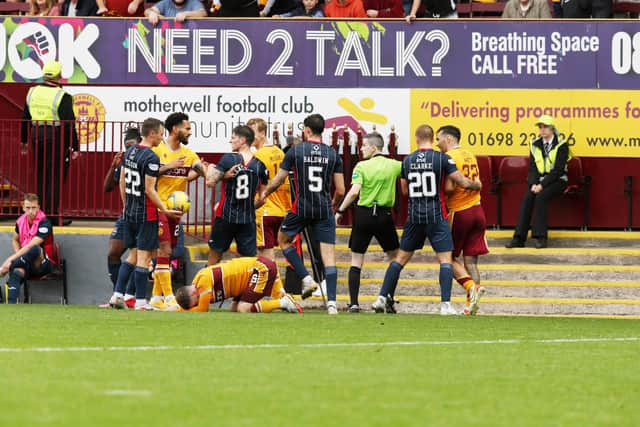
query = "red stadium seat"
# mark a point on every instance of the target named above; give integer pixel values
(488, 193)
(511, 184)
(578, 188)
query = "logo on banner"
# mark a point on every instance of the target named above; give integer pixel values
(90, 116)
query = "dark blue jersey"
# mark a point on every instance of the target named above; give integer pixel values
(236, 205)
(137, 163)
(313, 165)
(425, 171)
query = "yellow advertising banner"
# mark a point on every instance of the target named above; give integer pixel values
(595, 123)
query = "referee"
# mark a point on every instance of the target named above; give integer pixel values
(374, 180)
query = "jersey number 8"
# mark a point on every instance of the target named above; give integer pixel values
(242, 187)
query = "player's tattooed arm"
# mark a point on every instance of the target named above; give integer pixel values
(213, 176)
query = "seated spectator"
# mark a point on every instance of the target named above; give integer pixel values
(181, 10)
(527, 9)
(121, 8)
(584, 9)
(384, 8)
(43, 8)
(547, 179)
(308, 8)
(278, 7)
(238, 9)
(445, 9)
(32, 246)
(345, 9)
(79, 8)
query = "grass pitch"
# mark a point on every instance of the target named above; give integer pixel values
(81, 366)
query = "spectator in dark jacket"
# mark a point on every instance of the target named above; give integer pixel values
(79, 8)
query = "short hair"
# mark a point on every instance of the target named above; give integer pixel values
(451, 131)
(245, 132)
(315, 122)
(183, 297)
(424, 133)
(174, 119)
(31, 197)
(375, 139)
(259, 123)
(132, 133)
(150, 124)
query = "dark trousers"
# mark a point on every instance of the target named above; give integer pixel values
(51, 166)
(539, 205)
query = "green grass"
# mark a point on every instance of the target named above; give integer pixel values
(426, 382)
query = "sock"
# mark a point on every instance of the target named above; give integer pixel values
(113, 268)
(466, 282)
(296, 262)
(354, 284)
(446, 278)
(13, 290)
(141, 277)
(331, 276)
(131, 286)
(391, 279)
(265, 306)
(162, 277)
(123, 276)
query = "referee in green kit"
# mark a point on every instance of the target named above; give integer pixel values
(374, 180)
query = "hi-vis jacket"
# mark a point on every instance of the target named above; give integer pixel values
(546, 169)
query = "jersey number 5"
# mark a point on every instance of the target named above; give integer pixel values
(422, 184)
(315, 179)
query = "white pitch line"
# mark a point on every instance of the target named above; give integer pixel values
(311, 345)
(127, 393)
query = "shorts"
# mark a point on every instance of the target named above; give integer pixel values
(117, 233)
(324, 230)
(141, 235)
(169, 229)
(439, 235)
(467, 230)
(366, 226)
(223, 233)
(262, 281)
(267, 231)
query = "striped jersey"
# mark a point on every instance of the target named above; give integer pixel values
(313, 165)
(236, 196)
(174, 179)
(425, 171)
(279, 202)
(467, 164)
(137, 163)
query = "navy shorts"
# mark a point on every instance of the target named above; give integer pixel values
(223, 233)
(439, 235)
(141, 235)
(118, 230)
(324, 230)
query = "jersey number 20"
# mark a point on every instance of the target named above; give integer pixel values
(422, 184)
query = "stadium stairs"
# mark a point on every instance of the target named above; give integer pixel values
(592, 273)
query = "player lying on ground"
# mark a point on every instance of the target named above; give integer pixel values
(247, 280)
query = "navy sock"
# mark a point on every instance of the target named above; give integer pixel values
(141, 278)
(15, 279)
(331, 276)
(114, 269)
(123, 276)
(391, 279)
(354, 284)
(296, 262)
(446, 277)
(131, 285)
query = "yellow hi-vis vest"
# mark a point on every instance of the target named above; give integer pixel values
(43, 102)
(545, 164)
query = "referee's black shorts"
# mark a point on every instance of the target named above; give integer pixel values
(366, 226)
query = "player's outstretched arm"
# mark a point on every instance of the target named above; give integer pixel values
(465, 182)
(109, 181)
(213, 176)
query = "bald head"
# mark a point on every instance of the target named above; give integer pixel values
(424, 135)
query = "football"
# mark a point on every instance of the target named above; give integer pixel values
(179, 200)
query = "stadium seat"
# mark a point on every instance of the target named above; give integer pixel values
(14, 8)
(578, 187)
(59, 275)
(511, 183)
(488, 193)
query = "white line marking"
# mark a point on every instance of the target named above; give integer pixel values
(311, 345)
(127, 392)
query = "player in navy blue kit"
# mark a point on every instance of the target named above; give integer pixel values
(236, 213)
(314, 165)
(140, 168)
(423, 175)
